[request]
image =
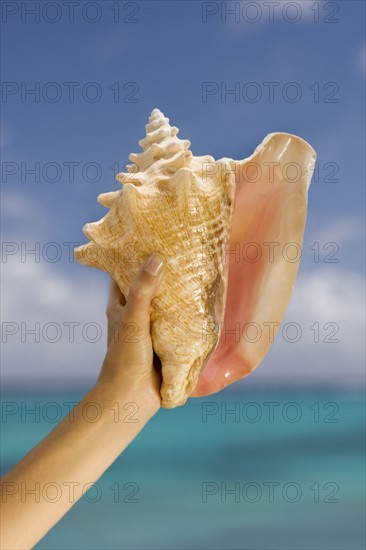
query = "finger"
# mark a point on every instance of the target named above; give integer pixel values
(116, 299)
(142, 290)
(115, 294)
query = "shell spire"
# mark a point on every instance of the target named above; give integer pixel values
(162, 151)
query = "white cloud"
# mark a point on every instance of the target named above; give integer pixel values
(253, 15)
(340, 230)
(39, 292)
(34, 291)
(17, 206)
(333, 298)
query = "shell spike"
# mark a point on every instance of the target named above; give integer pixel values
(90, 254)
(107, 199)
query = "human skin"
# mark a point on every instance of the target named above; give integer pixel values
(78, 451)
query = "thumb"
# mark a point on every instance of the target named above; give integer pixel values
(142, 290)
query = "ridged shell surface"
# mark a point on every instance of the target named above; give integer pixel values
(181, 206)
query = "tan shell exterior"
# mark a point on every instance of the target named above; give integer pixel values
(168, 204)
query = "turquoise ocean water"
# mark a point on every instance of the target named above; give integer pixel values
(270, 470)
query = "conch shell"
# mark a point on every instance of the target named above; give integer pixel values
(182, 206)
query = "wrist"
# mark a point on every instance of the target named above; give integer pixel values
(131, 401)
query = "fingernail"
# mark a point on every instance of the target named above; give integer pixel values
(154, 264)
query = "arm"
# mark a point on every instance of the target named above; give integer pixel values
(78, 451)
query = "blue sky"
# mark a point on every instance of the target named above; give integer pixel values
(162, 60)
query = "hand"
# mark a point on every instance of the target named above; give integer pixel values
(130, 359)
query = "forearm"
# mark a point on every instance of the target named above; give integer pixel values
(75, 453)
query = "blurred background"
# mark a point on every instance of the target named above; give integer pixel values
(275, 461)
